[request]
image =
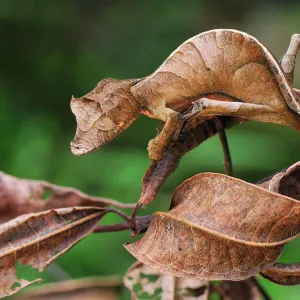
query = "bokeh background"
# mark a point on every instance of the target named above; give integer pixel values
(51, 50)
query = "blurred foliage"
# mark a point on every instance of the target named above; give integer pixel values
(51, 50)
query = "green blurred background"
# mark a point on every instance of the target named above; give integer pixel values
(51, 50)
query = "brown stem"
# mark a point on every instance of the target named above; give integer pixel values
(141, 225)
(120, 213)
(225, 147)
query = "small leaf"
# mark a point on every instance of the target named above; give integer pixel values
(40, 238)
(147, 283)
(218, 227)
(284, 274)
(22, 196)
(85, 288)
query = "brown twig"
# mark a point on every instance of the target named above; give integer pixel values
(225, 147)
(141, 224)
(260, 288)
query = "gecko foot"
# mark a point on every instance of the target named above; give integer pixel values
(156, 150)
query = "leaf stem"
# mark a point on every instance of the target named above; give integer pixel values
(141, 224)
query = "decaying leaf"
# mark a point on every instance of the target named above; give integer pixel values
(284, 274)
(147, 283)
(226, 72)
(286, 182)
(86, 288)
(38, 239)
(236, 290)
(22, 196)
(218, 227)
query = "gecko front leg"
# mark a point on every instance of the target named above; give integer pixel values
(173, 122)
(289, 59)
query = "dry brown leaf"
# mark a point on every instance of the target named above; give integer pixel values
(147, 283)
(22, 196)
(237, 290)
(286, 182)
(218, 227)
(284, 274)
(40, 238)
(87, 288)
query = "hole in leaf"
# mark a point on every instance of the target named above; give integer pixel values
(146, 296)
(195, 292)
(151, 278)
(15, 285)
(47, 194)
(214, 296)
(26, 272)
(137, 288)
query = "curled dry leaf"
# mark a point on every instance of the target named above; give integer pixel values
(22, 196)
(286, 182)
(234, 290)
(38, 239)
(284, 274)
(218, 227)
(88, 288)
(147, 283)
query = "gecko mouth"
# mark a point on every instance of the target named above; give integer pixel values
(102, 131)
(102, 114)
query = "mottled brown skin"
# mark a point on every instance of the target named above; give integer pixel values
(229, 66)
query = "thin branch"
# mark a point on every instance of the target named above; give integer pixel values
(57, 272)
(120, 213)
(112, 228)
(260, 288)
(142, 224)
(225, 147)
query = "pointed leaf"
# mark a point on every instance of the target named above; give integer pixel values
(22, 196)
(38, 239)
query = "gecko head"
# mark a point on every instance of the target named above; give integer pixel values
(103, 113)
